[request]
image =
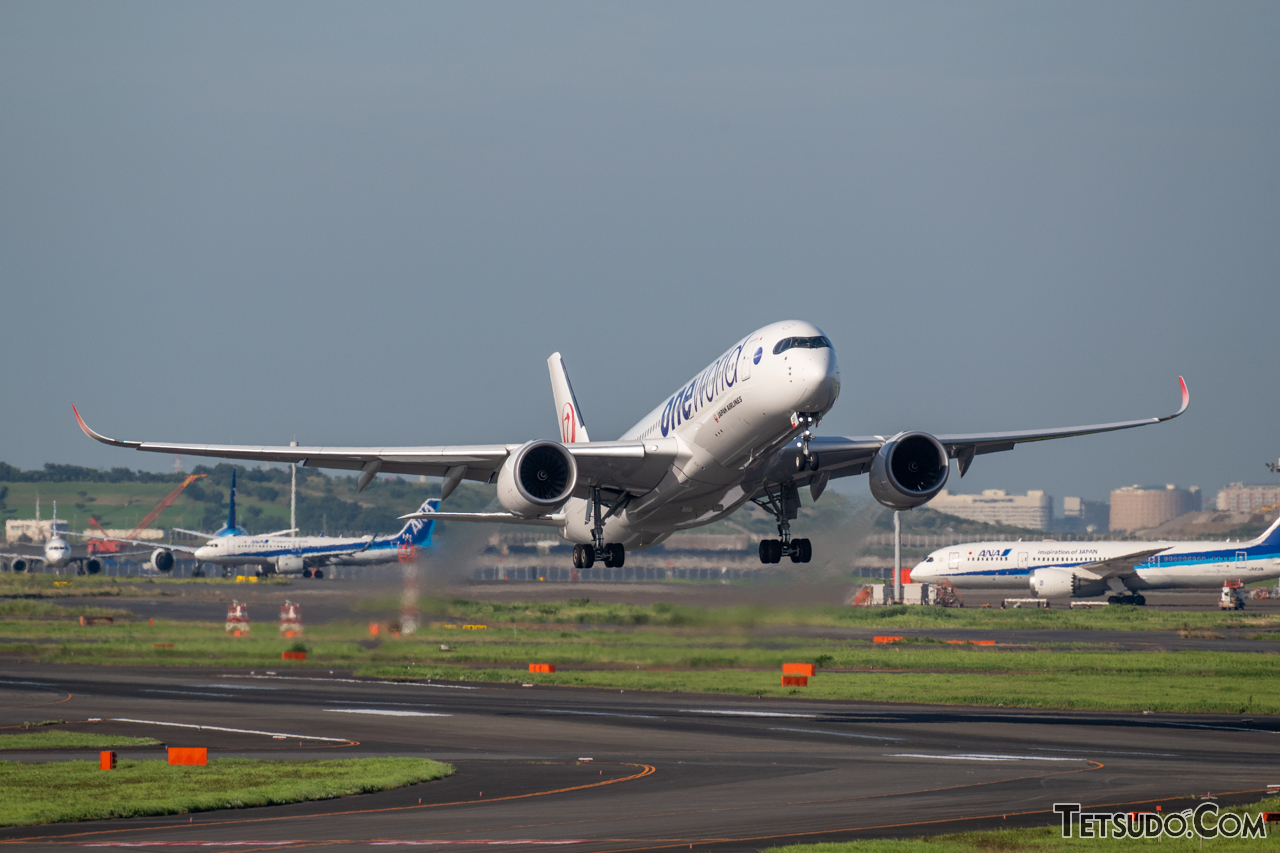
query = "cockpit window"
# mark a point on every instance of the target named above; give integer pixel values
(817, 342)
(930, 560)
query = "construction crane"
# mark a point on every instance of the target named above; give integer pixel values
(107, 545)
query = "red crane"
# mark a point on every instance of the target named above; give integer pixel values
(111, 546)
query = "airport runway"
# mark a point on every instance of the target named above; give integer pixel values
(667, 771)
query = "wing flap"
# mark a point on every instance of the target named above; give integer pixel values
(1119, 566)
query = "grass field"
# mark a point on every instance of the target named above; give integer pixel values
(79, 790)
(54, 739)
(720, 655)
(1050, 840)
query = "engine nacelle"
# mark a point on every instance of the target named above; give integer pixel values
(1060, 583)
(19, 565)
(909, 470)
(162, 560)
(537, 479)
(92, 566)
(290, 564)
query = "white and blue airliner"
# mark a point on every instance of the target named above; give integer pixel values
(1121, 569)
(308, 556)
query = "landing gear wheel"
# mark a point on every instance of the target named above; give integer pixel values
(770, 551)
(584, 556)
(1139, 600)
(617, 555)
(317, 574)
(805, 549)
(306, 573)
(226, 572)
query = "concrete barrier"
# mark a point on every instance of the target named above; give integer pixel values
(195, 755)
(795, 681)
(799, 669)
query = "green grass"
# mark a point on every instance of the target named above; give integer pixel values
(79, 790)
(1047, 840)
(70, 740)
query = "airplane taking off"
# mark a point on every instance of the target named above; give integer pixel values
(282, 553)
(1085, 569)
(741, 430)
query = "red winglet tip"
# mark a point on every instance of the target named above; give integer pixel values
(84, 427)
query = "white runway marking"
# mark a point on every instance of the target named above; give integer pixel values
(839, 734)
(28, 683)
(385, 713)
(598, 714)
(746, 713)
(979, 756)
(186, 693)
(233, 731)
(352, 681)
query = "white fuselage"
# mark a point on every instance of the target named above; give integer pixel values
(1008, 565)
(727, 421)
(57, 553)
(279, 551)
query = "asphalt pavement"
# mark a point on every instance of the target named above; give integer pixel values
(665, 771)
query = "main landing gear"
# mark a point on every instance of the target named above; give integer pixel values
(613, 554)
(784, 505)
(1133, 598)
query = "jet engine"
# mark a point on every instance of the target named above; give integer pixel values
(1060, 583)
(92, 566)
(537, 479)
(19, 565)
(162, 560)
(909, 470)
(290, 564)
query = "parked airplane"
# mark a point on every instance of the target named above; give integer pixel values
(308, 556)
(1084, 569)
(57, 555)
(741, 430)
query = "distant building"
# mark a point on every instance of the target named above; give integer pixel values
(1238, 497)
(1080, 516)
(150, 534)
(1141, 507)
(1034, 510)
(31, 530)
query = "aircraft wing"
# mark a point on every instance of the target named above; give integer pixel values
(631, 466)
(553, 520)
(848, 456)
(1118, 566)
(34, 557)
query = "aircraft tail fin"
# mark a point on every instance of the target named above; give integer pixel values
(418, 531)
(1271, 536)
(573, 429)
(230, 528)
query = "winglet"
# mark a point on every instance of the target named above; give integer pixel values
(97, 437)
(1186, 400)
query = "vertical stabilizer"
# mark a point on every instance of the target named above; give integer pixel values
(1270, 538)
(418, 531)
(230, 528)
(573, 430)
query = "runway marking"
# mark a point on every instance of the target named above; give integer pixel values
(746, 713)
(351, 681)
(28, 683)
(648, 770)
(598, 714)
(186, 693)
(1104, 751)
(385, 712)
(979, 756)
(838, 734)
(234, 731)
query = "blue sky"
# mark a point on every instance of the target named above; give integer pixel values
(371, 223)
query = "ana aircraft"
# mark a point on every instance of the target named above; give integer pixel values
(1085, 569)
(308, 556)
(740, 430)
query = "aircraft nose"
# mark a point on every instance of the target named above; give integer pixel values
(821, 380)
(204, 552)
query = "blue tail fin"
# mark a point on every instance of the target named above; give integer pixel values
(418, 531)
(1271, 537)
(230, 529)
